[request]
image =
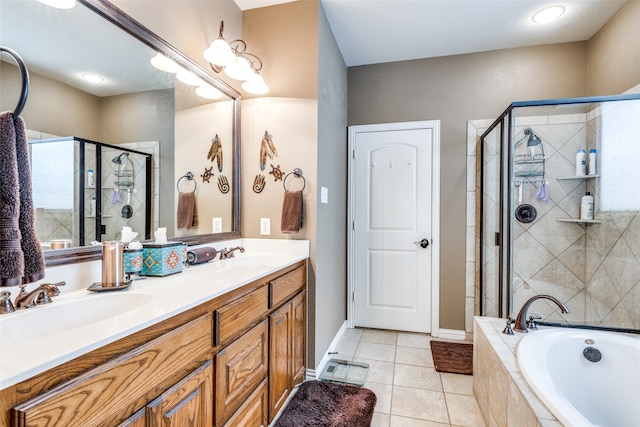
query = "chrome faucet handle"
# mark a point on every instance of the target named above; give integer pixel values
(531, 324)
(507, 329)
(52, 288)
(6, 305)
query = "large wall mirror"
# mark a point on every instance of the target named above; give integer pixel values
(135, 109)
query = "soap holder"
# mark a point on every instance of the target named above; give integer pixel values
(97, 287)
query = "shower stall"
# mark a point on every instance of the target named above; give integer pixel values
(534, 237)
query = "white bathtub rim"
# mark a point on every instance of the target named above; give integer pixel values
(551, 396)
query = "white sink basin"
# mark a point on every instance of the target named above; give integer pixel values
(63, 315)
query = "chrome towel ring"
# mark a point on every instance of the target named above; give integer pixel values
(297, 172)
(189, 177)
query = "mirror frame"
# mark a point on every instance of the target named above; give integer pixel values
(120, 19)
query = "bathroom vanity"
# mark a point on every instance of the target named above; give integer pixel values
(220, 344)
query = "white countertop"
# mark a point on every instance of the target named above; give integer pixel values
(25, 350)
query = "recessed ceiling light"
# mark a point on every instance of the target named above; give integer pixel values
(548, 14)
(59, 4)
(92, 78)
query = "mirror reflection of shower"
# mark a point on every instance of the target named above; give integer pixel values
(125, 173)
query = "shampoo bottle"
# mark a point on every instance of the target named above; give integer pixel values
(592, 162)
(581, 162)
(586, 206)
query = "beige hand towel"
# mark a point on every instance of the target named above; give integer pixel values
(187, 215)
(291, 212)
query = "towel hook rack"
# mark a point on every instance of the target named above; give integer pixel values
(24, 73)
(189, 177)
(297, 172)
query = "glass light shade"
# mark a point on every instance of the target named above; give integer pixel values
(59, 4)
(256, 85)
(188, 78)
(209, 92)
(547, 14)
(219, 53)
(92, 78)
(163, 63)
(240, 69)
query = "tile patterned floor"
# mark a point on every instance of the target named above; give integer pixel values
(411, 393)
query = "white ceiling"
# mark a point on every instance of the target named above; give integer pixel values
(376, 31)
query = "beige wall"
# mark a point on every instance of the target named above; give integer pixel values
(614, 54)
(456, 89)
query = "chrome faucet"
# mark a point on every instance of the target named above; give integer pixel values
(521, 320)
(40, 295)
(228, 253)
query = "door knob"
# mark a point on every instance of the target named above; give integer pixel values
(422, 243)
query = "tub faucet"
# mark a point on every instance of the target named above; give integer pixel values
(40, 295)
(521, 320)
(228, 253)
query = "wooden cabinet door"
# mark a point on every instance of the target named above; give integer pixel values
(253, 412)
(279, 358)
(136, 420)
(187, 404)
(298, 339)
(240, 368)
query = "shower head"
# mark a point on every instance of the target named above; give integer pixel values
(118, 159)
(533, 138)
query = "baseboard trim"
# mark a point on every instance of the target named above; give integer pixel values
(451, 334)
(334, 343)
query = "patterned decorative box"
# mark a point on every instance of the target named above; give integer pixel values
(162, 259)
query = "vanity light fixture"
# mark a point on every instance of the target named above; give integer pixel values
(548, 14)
(209, 92)
(92, 78)
(188, 78)
(59, 4)
(165, 64)
(236, 62)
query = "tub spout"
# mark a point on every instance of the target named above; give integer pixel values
(521, 320)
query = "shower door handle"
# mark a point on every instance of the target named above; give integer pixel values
(422, 243)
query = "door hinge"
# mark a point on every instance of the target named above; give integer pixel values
(353, 225)
(353, 154)
(497, 241)
(353, 296)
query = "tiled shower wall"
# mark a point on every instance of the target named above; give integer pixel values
(594, 268)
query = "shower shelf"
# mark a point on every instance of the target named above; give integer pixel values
(577, 177)
(582, 221)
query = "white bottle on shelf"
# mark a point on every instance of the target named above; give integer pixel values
(90, 180)
(581, 162)
(593, 168)
(586, 206)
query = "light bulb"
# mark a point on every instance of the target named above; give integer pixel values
(92, 78)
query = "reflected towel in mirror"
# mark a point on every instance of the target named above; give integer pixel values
(291, 212)
(187, 215)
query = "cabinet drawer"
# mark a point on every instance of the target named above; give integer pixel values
(239, 369)
(253, 413)
(240, 315)
(285, 286)
(102, 395)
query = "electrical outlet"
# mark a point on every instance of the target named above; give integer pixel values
(265, 226)
(216, 225)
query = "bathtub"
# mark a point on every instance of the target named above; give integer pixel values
(585, 378)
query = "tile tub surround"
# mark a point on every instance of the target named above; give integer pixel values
(504, 397)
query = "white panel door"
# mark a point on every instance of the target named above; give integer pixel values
(391, 193)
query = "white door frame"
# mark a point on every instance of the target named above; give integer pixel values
(435, 214)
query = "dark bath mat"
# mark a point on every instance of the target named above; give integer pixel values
(319, 403)
(453, 357)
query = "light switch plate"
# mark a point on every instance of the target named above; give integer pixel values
(324, 195)
(265, 226)
(216, 225)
